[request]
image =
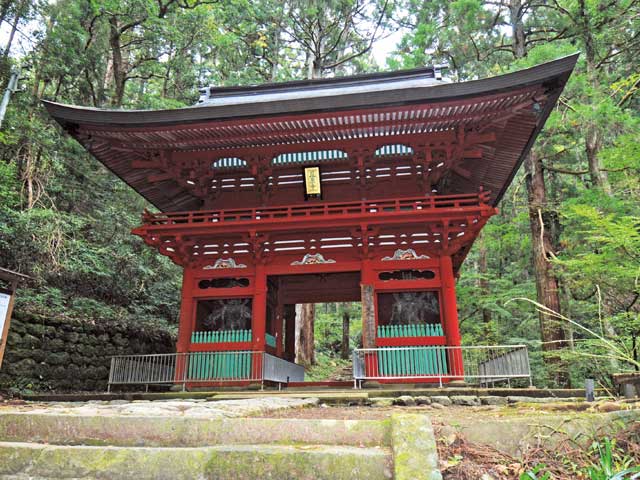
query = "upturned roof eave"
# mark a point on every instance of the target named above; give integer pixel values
(68, 115)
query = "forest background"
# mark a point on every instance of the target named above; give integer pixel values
(568, 232)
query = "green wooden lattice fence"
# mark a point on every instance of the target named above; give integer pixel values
(395, 331)
(220, 365)
(221, 336)
(412, 361)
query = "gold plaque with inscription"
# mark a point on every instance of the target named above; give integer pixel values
(312, 181)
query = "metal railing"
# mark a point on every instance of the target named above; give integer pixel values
(435, 202)
(202, 367)
(279, 370)
(479, 365)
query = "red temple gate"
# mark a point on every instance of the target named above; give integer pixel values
(369, 188)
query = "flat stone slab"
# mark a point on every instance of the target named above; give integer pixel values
(166, 431)
(383, 390)
(172, 408)
(306, 462)
(465, 400)
(235, 462)
(517, 434)
(355, 397)
(521, 399)
(493, 400)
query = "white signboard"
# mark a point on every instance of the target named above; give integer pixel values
(4, 307)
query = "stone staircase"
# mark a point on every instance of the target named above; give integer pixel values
(58, 445)
(344, 374)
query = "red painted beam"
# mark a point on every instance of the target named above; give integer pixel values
(314, 224)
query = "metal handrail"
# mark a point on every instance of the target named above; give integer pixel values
(322, 209)
(480, 364)
(202, 367)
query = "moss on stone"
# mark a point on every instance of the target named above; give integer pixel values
(415, 454)
(306, 462)
(159, 431)
(221, 463)
(40, 348)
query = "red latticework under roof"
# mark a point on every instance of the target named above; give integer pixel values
(379, 136)
(436, 225)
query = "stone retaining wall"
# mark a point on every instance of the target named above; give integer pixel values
(64, 354)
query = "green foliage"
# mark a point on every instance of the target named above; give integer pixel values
(612, 464)
(536, 473)
(326, 366)
(594, 129)
(328, 327)
(66, 221)
(609, 462)
(328, 339)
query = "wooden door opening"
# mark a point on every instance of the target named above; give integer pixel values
(321, 320)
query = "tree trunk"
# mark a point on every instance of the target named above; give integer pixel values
(14, 27)
(483, 284)
(547, 287)
(592, 148)
(517, 28)
(5, 65)
(119, 76)
(368, 316)
(542, 229)
(275, 61)
(4, 9)
(305, 343)
(345, 332)
(29, 175)
(593, 135)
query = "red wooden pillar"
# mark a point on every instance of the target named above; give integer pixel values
(279, 319)
(450, 310)
(290, 335)
(368, 305)
(259, 319)
(367, 293)
(259, 311)
(185, 325)
(279, 322)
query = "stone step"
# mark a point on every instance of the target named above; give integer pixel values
(168, 431)
(337, 398)
(233, 462)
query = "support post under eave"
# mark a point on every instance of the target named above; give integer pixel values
(290, 332)
(259, 310)
(368, 305)
(185, 326)
(259, 320)
(450, 309)
(279, 322)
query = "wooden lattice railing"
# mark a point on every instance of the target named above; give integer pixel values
(221, 336)
(397, 331)
(368, 207)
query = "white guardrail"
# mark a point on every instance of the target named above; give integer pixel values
(480, 365)
(202, 367)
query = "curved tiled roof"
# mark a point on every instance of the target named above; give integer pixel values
(153, 150)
